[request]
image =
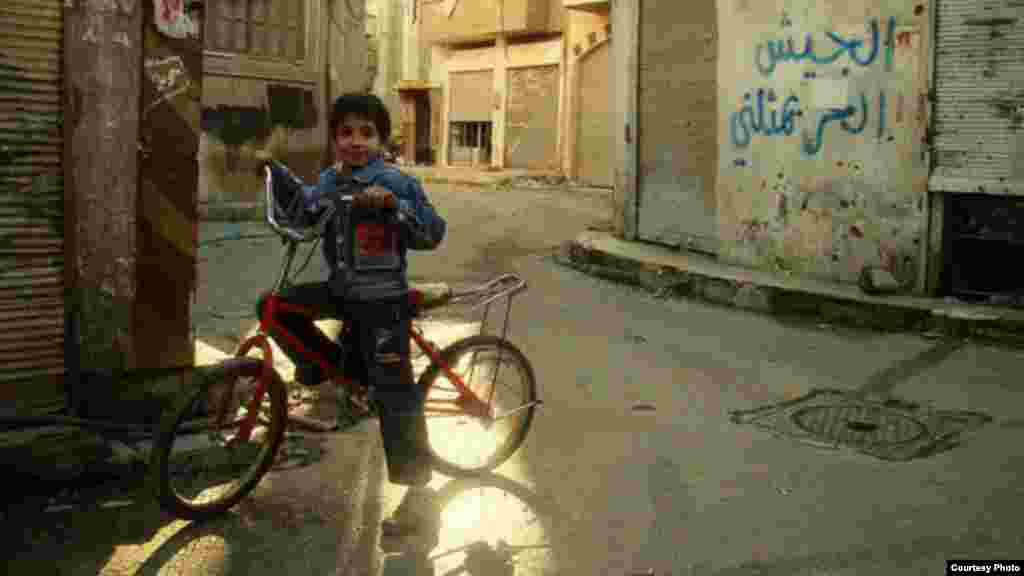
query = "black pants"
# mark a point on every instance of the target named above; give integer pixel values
(375, 350)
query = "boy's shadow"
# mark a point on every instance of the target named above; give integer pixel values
(412, 555)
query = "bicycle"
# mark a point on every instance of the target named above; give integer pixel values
(243, 401)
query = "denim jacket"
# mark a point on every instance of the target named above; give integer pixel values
(407, 191)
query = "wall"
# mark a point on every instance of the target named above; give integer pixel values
(167, 215)
(821, 168)
(583, 31)
(102, 57)
(472, 20)
(532, 126)
(624, 18)
(390, 53)
(247, 114)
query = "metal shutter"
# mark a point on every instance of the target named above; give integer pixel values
(32, 199)
(471, 96)
(979, 91)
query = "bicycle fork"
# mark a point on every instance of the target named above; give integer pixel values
(252, 414)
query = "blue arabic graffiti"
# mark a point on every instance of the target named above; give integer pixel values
(768, 55)
(762, 115)
(811, 146)
(751, 118)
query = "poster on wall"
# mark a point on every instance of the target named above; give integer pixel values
(172, 20)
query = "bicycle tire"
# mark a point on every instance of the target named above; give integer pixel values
(169, 499)
(515, 440)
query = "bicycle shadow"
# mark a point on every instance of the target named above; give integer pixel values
(300, 519)
(78, 526)
(419, 555)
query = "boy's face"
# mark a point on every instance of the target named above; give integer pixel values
(356, 142)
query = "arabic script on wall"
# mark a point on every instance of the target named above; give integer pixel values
(767, 113)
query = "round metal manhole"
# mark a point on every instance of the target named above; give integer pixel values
(859, 425)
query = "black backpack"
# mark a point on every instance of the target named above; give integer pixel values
(367, 266)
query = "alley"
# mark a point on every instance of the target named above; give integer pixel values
(633, 466)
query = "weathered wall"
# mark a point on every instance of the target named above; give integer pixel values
(453, 21)
(822, 170)
(248, 114)
(243, 117)
(583, 31)
(624, 17)
(593, 134)
(389, 41)
(677, 121)
(167, 205)
(102, 56)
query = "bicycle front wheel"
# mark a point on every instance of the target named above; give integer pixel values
(202, 468)
(464, 442)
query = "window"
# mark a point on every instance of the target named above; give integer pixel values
(471, 134)
(263, 29)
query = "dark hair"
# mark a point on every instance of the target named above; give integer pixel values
(363, 105)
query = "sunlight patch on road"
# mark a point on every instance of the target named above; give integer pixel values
(484, 529)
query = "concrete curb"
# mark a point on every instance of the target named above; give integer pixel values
(670, 273)
(232, 212)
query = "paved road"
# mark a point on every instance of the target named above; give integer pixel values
(634, 465)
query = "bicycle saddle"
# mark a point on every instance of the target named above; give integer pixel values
(430, 295)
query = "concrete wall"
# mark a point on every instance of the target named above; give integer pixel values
(624, 18)
(822, 168)
(583, 31)
(456, 21)
(531, 137)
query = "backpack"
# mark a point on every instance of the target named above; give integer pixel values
(367, 265)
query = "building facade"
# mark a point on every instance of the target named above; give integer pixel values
(824, 140)
(507, 76)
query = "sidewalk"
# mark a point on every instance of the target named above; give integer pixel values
(692, 275)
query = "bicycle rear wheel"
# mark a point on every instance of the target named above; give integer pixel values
(468, 444)
(200, 469)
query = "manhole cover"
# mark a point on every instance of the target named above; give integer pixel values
(835, 419)
(858, 425)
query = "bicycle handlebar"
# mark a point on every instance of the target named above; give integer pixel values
(292, 234)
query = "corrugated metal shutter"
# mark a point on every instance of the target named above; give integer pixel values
(471, 96)
(31, 196)
(979, 107)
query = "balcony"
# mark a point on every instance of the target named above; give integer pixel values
(598, 6)
(464, 21)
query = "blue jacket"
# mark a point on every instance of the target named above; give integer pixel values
(407, 190)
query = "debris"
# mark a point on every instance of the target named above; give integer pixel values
(644, 407)
(878, 281)
(783, 491)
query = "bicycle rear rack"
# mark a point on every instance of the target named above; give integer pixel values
(504, 286)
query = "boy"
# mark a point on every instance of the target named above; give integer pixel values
(377, 326)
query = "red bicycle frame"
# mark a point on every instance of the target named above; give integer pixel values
(467, 400)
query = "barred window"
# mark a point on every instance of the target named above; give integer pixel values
(263, 29)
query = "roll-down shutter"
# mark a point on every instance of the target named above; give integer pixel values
(979, 97)
(31, 199)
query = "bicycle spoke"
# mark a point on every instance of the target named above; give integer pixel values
(471, 439)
